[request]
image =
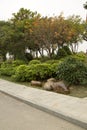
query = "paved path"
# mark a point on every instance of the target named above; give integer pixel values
(70, 108)
(15, 115)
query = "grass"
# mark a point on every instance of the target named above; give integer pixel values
(76, 91)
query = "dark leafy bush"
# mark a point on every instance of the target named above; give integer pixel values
(61, 53)
(73, 71)
(67, 50)
(34, 62)
(28, 56)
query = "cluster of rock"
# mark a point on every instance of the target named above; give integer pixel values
(52, 85)
(56, 86)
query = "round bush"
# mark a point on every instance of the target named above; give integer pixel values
(73, 71)
(38, 72)
(20, 73)
(54, 70)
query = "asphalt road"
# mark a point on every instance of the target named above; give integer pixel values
(16, 115)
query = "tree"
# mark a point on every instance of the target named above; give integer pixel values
(68, 31)
(22, 24)
(77, 29)
(85, 5)
(5, 33)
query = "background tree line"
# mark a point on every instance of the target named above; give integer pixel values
(41, 36)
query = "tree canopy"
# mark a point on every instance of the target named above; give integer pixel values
(28, 30)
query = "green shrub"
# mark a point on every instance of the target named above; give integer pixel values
(7, 71)
(54, 70)
(80, 56)
(17, 63)
(31, 73)
(52, 61)
(20, 73)
(73, 71)
(34, 62)
(38, 72)
(6, 64)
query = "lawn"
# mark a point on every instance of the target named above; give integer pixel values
(76, 91)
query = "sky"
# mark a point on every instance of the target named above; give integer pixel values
(45, 8)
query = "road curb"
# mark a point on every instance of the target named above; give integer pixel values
(46, 109)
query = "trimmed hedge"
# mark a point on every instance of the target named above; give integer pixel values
(38, 72)
(35, 72)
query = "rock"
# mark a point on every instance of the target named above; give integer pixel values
(60, 87)
(56, 86)
(36, 83)
(51, 79)
(48, 86)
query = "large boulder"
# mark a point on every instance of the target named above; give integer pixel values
(56, 86)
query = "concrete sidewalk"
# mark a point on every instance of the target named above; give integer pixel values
(69, 108)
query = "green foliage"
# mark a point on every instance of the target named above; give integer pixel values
(38, 72)
(28, 56)
(17, 63)
(73, 71)
(80, 56)
(32, 72)
(20, 73)
(52, 61)
(61, 53)
(85, 5)
(54, 70)
(7, 71)
(5, 64)
(8, 67)
(34, 62)
(67, 50)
